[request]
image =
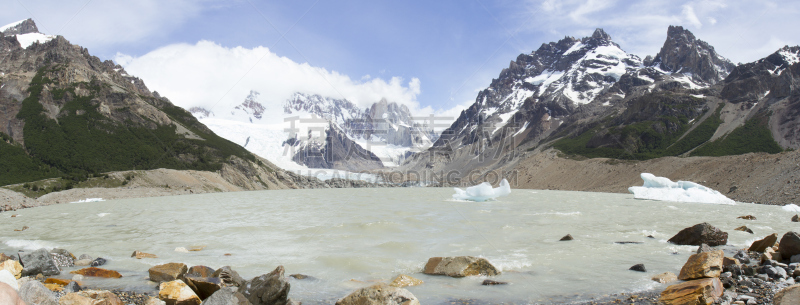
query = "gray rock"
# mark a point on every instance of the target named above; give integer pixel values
(268, 289)
(789, 245)
(72, 287)
(34, 293)
(742, 257)
(789, 295)
(226, 296)
(229, 276)
(62, 260)
(762, 277)
(39, 261)
(702, 233)
(98, 262)
(566, 237)
(83, 262)
(379, 294)
(638, 267)
(704, 248)
(776, 273)
(85, 256)
(795, 258)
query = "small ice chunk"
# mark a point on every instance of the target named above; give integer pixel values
(660, 188)
(89, 200)
(483, 192)
(791, 208)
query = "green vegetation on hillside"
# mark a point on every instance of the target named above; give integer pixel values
(699, 135)
(753, 136)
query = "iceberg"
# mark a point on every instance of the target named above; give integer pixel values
(483, 192)
(791, 208)
(89, 200)
(660, 188)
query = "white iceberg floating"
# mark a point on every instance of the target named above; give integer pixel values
(660, 188)
(89, 200)
(483, 192)
(791, 208)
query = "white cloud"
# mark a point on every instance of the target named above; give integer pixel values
(218, 78)
(690, 17)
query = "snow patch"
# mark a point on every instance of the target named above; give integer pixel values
(663, 189)
(482, 192)
(577, 46)
(26, 40)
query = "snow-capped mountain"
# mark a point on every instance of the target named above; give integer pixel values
(685, 54)
(25, 32)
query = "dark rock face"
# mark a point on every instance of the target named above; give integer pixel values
(698, 234)
(25, 27)
(201, 271)
(566, 237)
(251, 107)
(336, 151)
(204, 287)
(789, 245)
(229, 276)
(40, 261)
(267, 289)
(683, 53)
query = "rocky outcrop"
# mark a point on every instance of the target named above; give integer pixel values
(702, 233)
(380, 294)
(702, 265)
(683, 53)
(268, 289)
(39, 261)
(460, 266)
(335, 151)
(696, 292)
(27, 26)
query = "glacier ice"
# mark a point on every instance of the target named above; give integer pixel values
(483, 192)
(660, 188)
(791, 208)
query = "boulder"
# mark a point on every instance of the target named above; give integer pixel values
(72, 287)
(9, 296)
(380, 294)
(98, 262)
(4, 257)
(788, 295)
(83, 262)
(8, 278)
(742, 257)
(177, 293)
(75, 299)
(699, 234)
(666, 277)
(566, 237)
(771, 255)
(226, 296)
(98, 272)
(34, 292)
(39, 261)
(460, 266)
(167, 272)
(744, 229)
(229, 276)
(12, 266)
(54, 287)
(154, 301)
(404, 281)
(103, 297)
(761, 245)
(201, 271)
(796, 218)
(702, 265)
(704, 248)
(789, 245)
(727, 261)
(140, 255)
(53, 280)
(638, 267)
(268, 289)
(204, 287)
(699, 292)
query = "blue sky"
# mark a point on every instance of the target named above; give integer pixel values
(432, 55)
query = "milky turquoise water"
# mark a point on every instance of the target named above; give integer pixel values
(350, 238)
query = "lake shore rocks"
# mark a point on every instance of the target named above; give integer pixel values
(140, 255)
(460, 266)
(177, 293)
(98, 272)
(761, 245)
(702, 265)
(404, 281)
(666, 277)
(703, 291)
(702, 233)
(39, 261)
(226, 296)
(268, 289)
(789, 245)
(167, 272)
(379, 294)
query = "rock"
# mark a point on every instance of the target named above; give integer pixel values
(4, 257)
(12, 266)
(204, 287)
(62, 261)
(747, 217)
(75, 299)
(702, 265)
(628, 242)
(776, 273)
(34, 292)
(704, 248)
(226, 296)
(404, 281)
(701, 292)
(103, 297)
(98, 262)
(666, 277)
(140, 255)
(156, 301)
(638, 267)
(77, 277)
(196, 248)
(795, 258)
(771, 256)
(167, 272)
(699, 234)
(228, 276)
(270, 288)
(459, 266)
(8, 278)
(789, 245)
(8, 295)
(301, 277)
(744, 229)
(85, 256)
(796, 218)
(38, 261)
(98, 272)
(566, 237)
(380, 294)
(63, 252)
(83, 262)
(492, 283)
(54, 287)
(788, 295)
(200, 271)
(726, 261)
(764, 243)
(177, 293)
(742, 257)
(72, 286)
(56, 281)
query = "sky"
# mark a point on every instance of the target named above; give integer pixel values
(433, 56)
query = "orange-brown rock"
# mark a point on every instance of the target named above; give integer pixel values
(167, 272)
(695, 292)
(141, 255)
(702, 265)
(730, 261)
(460, 266)
(404, 281)
(56, 281)
(177, 293)
(54, 287)
(763, 244)
(101, 297)
(97, 272)
(12, 266)
(4, 257)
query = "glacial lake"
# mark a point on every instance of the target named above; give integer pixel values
(350, 238)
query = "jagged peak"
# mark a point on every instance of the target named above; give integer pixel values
(683, 52)
(601, 35)
(26, 26)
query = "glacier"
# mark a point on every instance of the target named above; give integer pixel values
(483, 192)
(663, 189)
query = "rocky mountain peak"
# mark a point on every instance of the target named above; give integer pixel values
(600, 35)
(26, 26)
(684, 53)
(251, 106)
